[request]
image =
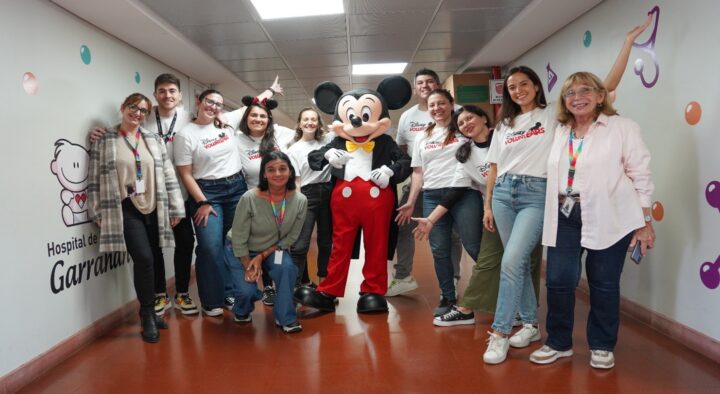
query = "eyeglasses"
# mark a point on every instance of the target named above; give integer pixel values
(135, 108)
(583, 91)
(213, 103)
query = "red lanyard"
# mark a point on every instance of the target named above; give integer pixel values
(136, 153)
(572, 157)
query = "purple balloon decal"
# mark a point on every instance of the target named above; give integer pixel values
(649, 48)
(712, 194)
(710, 274)
(552, 77)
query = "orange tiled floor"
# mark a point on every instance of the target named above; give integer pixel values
(401, 352)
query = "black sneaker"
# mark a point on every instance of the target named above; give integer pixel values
(229, 302)
(454, 318)
(444, 307)
(269, 296)
(290, 328)
(242, 318)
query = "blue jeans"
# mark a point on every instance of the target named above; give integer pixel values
(211, 265)
(518, 207)
(603, 268)
(466, 215)
(283, 275)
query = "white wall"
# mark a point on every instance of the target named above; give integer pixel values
(39, 37)
(684, 156)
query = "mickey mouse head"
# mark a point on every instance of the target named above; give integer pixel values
(362, 114)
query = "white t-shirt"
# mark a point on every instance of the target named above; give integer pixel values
(212, 152)
(524, 148)
(167, 134)
(473, 173)
(412, 124)
(438, 162)
(250, 152)
(298, 153)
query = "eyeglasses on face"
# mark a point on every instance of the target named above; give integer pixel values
(581, 92)
(213, 103)
(135, 108)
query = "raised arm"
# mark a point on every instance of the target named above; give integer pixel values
(612, 80)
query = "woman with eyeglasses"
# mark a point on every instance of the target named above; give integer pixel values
(209, 164)
(598, 201)
(516, 187)
(135, 200)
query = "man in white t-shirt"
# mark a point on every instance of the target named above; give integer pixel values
(411, 125)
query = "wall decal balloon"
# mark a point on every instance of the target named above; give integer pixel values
(712, 194)
(85, 54)
(658, 211)
(30, 84)
(710, 274)
(693, 113)
(587, 38)
(551, 77)
(137, 77)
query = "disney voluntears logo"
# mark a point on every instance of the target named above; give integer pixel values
(520, 135)
(417, 126)
(70, 167)
(210, 142)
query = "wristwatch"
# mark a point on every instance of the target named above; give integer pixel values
(648, 218)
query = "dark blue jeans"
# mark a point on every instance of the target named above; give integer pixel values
(603, 269)
(283, 275)
(211, 266)
(466, 215)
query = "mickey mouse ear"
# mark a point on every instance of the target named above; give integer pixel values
(396, 91)
(327, 95)
(271, 104)
(247, 100)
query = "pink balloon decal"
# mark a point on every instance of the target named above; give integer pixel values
(649, 48)
(712, 194)
(30, 84)
(710, 274)
(552, 77)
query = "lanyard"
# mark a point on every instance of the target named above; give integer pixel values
(572, 157)
(278, 213)
(170, 136)
(136, 153)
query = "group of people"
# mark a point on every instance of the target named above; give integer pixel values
(574, 177)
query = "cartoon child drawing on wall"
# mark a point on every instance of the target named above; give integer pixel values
(71, 168)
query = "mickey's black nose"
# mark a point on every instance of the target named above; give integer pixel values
(356, 121)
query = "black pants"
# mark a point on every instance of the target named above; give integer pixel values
(143, 244)
(318, 211)
(184, 245)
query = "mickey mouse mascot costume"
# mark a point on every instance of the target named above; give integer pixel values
(366, 165)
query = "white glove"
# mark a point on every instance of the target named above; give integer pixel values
(381, 176)
(337, 158)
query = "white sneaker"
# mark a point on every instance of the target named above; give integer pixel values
(497, 349)
(401, 286)
(602, 359)
(548, 355)
(527, 334)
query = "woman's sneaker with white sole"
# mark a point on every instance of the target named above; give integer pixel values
(602, 359)
(548, 355)
(454, 317)
(497, 349)
(527, 334)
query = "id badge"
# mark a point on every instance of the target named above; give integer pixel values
(139, 186)
(278, 257)
(567, 206)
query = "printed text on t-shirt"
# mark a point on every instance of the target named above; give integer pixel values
(516, 136)
(210, 142)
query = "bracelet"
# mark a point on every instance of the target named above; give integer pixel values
(203, 202)
(272, 90)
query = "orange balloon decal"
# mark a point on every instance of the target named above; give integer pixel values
(693, 113)
(658, 211)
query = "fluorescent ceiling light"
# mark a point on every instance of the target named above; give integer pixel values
(378, 68)
(277, 9)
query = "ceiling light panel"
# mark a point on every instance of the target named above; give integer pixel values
(378, 68)
(280, 9)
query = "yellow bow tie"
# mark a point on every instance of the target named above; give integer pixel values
(352, 147)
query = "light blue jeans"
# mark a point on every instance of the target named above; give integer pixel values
(518, 207)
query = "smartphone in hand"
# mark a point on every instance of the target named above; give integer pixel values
(636, 254)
